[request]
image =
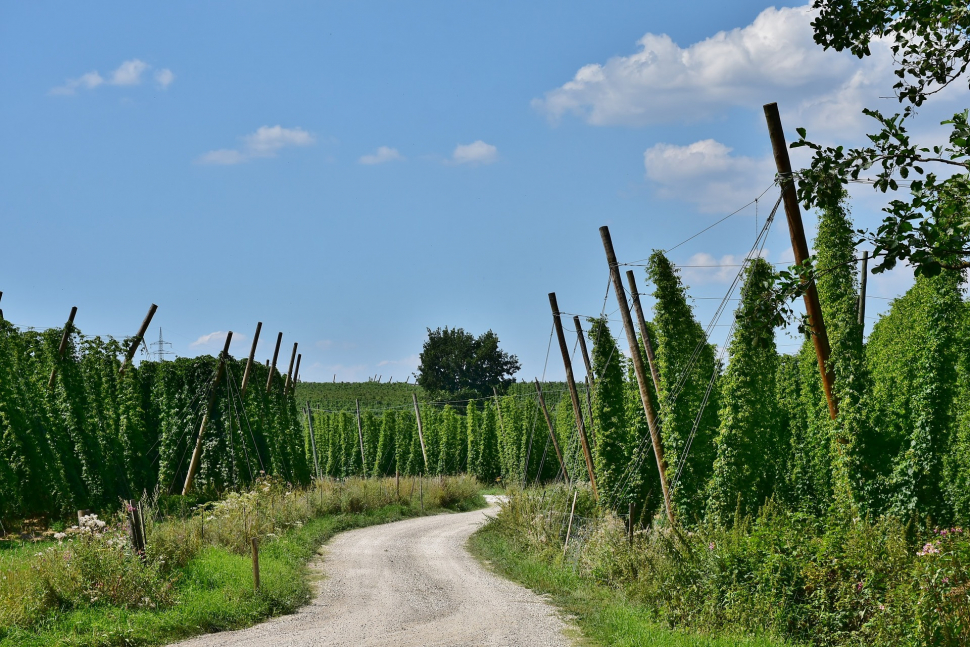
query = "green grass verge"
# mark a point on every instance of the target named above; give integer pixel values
(605, 615)
(215, 593)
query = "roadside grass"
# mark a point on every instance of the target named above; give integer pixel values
(606, 615)
(213, 589)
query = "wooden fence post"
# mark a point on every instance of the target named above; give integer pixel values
(276, 356)
(60, 349)
(138, 337)
(296, 372)
(255, 544)
(197, 452)
(571, 384)
(796, 231)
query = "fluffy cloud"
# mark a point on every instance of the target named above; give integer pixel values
(383, 154)
(772, 59)
(267, 141)
(216, 340)
(706, 174)
(128, 73)
(477, 152)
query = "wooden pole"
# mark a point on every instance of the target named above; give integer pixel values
(289, 371)
(63, 347)
(255, 544)
(417, 412)
(644, 331)
(296, 371)
(552, 433)
(360, 435)
(313, 442)
(800, 246)
(1, 311)
(582, 347)
(631, 523)
(138, 337)
(863, 276)
(272, 367)
(571, 384)
(638, 368)
(249, 362)
(197, 452)
(569, 528)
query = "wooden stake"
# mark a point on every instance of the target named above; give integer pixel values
(138, 337)
(289, 371)
(582, 347)
(571, 384)
(60, 349)
(800, 246)
(863, 276)
(255, 544)
(569, 528)
(249, 362)
(631, 523)
(1, 311)
(296, 371)
(276, 356)
(197, 452)
(552, 433)
(313, 442)
(644, 331)
(417, 412)
(360, 434)
(638, 368)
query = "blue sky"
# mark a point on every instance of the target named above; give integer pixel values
(352, 174)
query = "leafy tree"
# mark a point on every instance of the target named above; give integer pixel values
(929, 228)
(744, 475)
(457, 365)
(687, 365)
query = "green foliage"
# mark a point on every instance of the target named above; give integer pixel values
(455, 364)
(687, 364)
(612, 451)
(744, 472)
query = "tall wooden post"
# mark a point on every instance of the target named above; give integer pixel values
(417, 413)
(574, 396)
(552, 433)
(197, 452)
(582, 347)
(644, 331)
(249, 362)
(296, 371)
(289, 371)
(360, 435)
(638, 368)
(313, 441)
(63, 347)
(1, 311)
(800, 246)
(138, 337)
(272, 367)
(863, 277)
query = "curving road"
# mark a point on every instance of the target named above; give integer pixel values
(407, 584)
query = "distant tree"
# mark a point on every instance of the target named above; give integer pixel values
(457, 365)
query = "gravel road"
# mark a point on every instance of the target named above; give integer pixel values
(407, 584)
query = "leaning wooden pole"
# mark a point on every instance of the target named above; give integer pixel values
(360, 435)
(289, 371)
(249, 362)
(582, 347)
(573, 394)
(417, 413)
(272, 367)
(296, 371)
(638, 368)
(63, 347)
(197, 452)
(138, 337)
(644, 331)
(552, 433)
(313, 441)
(799, 245)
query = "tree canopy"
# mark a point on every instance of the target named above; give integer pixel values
(457, 365)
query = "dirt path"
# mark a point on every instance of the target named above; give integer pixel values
(407, 584)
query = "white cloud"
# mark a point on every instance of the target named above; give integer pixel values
(216, 340)
(477, 152)
(267, 141)
(706, 174)
(772, 59)
(703, 268)
(164, 78)
(128, 73)
(383, 154)
(411, 362)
